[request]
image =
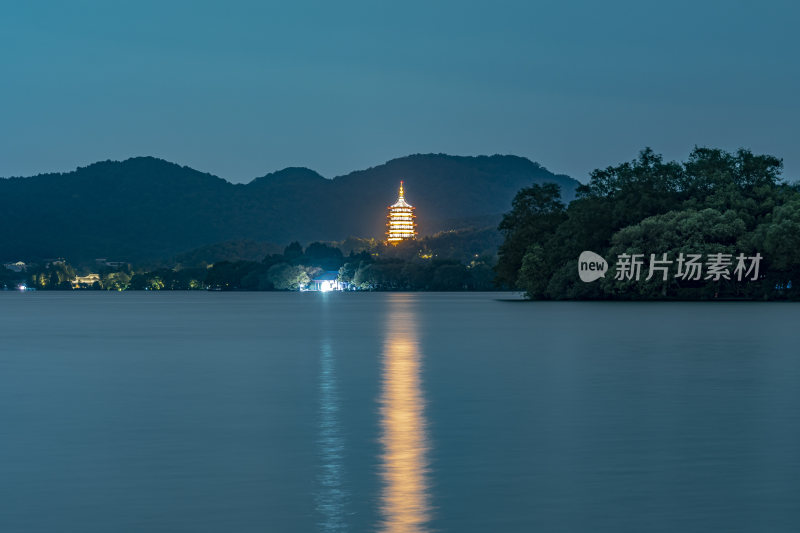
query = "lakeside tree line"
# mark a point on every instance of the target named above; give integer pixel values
(401, 267)
(715, 202)
(448, 261)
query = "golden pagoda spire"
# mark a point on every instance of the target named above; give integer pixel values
(401, 225)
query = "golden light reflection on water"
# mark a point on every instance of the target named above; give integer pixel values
(405, 504)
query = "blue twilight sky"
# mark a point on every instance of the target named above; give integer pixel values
(240, 89)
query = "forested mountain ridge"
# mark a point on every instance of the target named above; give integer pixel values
(147, 208)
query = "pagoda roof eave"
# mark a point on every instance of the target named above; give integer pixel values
(401, 203)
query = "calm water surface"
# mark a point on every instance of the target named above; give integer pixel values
(221, 412)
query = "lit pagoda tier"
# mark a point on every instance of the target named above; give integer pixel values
(401, 225)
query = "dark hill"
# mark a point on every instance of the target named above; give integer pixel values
(147, 208)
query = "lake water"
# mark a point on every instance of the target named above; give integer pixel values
(284, 412)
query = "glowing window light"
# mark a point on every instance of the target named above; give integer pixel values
(400, 225)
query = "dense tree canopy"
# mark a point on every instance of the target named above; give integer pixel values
(715, 202)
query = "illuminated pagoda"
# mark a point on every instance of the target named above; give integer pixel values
(401, 225)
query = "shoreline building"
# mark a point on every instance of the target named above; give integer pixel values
(326, 281)
(19, 266)
(400, 225)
